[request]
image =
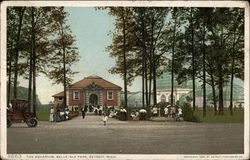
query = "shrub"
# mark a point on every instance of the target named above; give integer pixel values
(188, 114)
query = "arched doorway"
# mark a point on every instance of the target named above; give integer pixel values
(163, 98)
(93, 99)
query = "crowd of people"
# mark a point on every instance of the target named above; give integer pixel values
(58, 113)
(173, 112)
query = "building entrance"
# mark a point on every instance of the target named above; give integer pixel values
(93, 99)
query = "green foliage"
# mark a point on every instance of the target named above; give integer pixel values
(22, 93)
(238, 116)
(43, 114)
(188, 114)
(39, 41)
(64, 53)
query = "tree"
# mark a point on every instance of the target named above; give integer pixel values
(122, 45)
(218, 39)
(191, 22)
(64, 51)
(19, 12)
(235, 46)
(156, 24)
(11, 34)
(203, 18)
(142, 54)
(149, 25)
(40, 30)
(174, 42)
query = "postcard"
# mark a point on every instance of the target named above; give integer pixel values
(124, 80)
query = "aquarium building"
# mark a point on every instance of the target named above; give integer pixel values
(91, 90)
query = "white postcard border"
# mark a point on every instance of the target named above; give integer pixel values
(3, 132)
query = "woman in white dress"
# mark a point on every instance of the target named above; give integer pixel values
(51, 116)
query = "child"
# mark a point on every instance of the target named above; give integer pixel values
(104, 119)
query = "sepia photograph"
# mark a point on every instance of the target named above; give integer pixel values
(124, 80)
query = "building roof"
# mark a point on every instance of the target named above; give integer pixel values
(164, 82)
(96, 80)
(238, 92)
(58, 95)
(99, 81)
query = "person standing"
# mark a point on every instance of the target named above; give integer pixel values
(123, 114)
(100, 110)
(51, 116)
(154, 111)
(180, 112)
(104, 119)
(57, 115)
(173, 111)
(83, 112)
(169, 111)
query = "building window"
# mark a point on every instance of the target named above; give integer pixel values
(110, 95)
(76, 95)
(163, 98)
(60, 98)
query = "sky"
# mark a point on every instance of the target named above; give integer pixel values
(90, 28)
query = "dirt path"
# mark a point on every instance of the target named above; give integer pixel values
(121, 137)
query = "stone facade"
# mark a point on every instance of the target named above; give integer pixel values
(92, 90)
(164, 95)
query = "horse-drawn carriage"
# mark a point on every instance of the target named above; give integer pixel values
(17, 112)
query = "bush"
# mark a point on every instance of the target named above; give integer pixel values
(188, 114)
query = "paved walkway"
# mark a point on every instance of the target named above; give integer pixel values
(121, 137)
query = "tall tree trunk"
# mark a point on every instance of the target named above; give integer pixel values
(9, 75)
(150, 87)
(204, 70)
(214, 95)
(64, 69)
(154, 80)
(17, 50)
(143, 92)
(124, 58)
(144, 59)
(34, 85)
(220, 87)
(30, 76)
(231, 87)
(150, 77)
(232, 78)
(193, 58)
(172, 67)
(64, 79)
(146, 81)
(34, 58)
(221, 80)
(153, 62)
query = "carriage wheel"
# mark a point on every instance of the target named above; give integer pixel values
(32, 122)
(9, 122)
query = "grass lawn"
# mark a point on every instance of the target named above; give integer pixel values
(238, 116)
(43, 114)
